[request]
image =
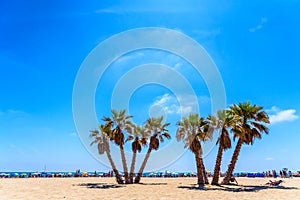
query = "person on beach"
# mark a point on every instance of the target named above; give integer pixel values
(290, 174)
(274, 174)
(284, 173)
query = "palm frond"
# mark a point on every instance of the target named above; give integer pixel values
(166, 135)
(129, 138)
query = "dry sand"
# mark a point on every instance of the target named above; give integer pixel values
(150, 188)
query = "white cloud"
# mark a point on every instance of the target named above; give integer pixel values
(167, 103)
(177, 66)
(73, 134)
(162, 100)
(269, 158)
(186, 110)
(259, 26)
(13, 112)
(170, 104)
(276, 115)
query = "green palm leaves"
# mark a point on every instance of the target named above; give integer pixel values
(193, 130)
(102, 140)
(139, 135)
(250, 122)
(158, 133)
(153, 132)
(242, 121)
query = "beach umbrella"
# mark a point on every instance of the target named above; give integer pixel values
(6, 175)
(84, 173)
(174, 173)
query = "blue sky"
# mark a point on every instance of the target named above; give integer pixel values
(254, 44)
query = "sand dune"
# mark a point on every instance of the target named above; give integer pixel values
(150, 188)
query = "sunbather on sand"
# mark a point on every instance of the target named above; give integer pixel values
(274, 183)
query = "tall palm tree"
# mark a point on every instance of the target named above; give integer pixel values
(158, 132)
(224, 121)
(193, 130)
(139, 135)
(121, 120)
(102, 141)
(250, 123)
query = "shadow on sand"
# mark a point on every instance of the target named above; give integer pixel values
(99, 185)
(240, 188)
(152, 183)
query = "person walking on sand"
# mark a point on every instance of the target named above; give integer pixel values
(290, 174)
(274, 174)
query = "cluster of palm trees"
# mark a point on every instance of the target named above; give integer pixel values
(242, 121)
(113, 130)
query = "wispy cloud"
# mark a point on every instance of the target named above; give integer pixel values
(167, 103)
(276, 115)
(13, 112)
(259, 26)
(73, 134)
(178, 66)
(151, 7)
(170, 104)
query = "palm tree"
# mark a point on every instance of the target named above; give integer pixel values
(139, 135)
(122, 121)
(103, 146)
(194, 130)
(158, 131)
(249, 125)
(223, 121)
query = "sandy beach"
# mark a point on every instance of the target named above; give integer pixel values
(150, 188)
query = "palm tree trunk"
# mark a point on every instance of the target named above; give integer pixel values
(199, 170)
(215, 180)
(118, 178)
(139, 175)
(132, 166)
(202, 166)
(124, 164)
(234, 159)
(203, 170)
